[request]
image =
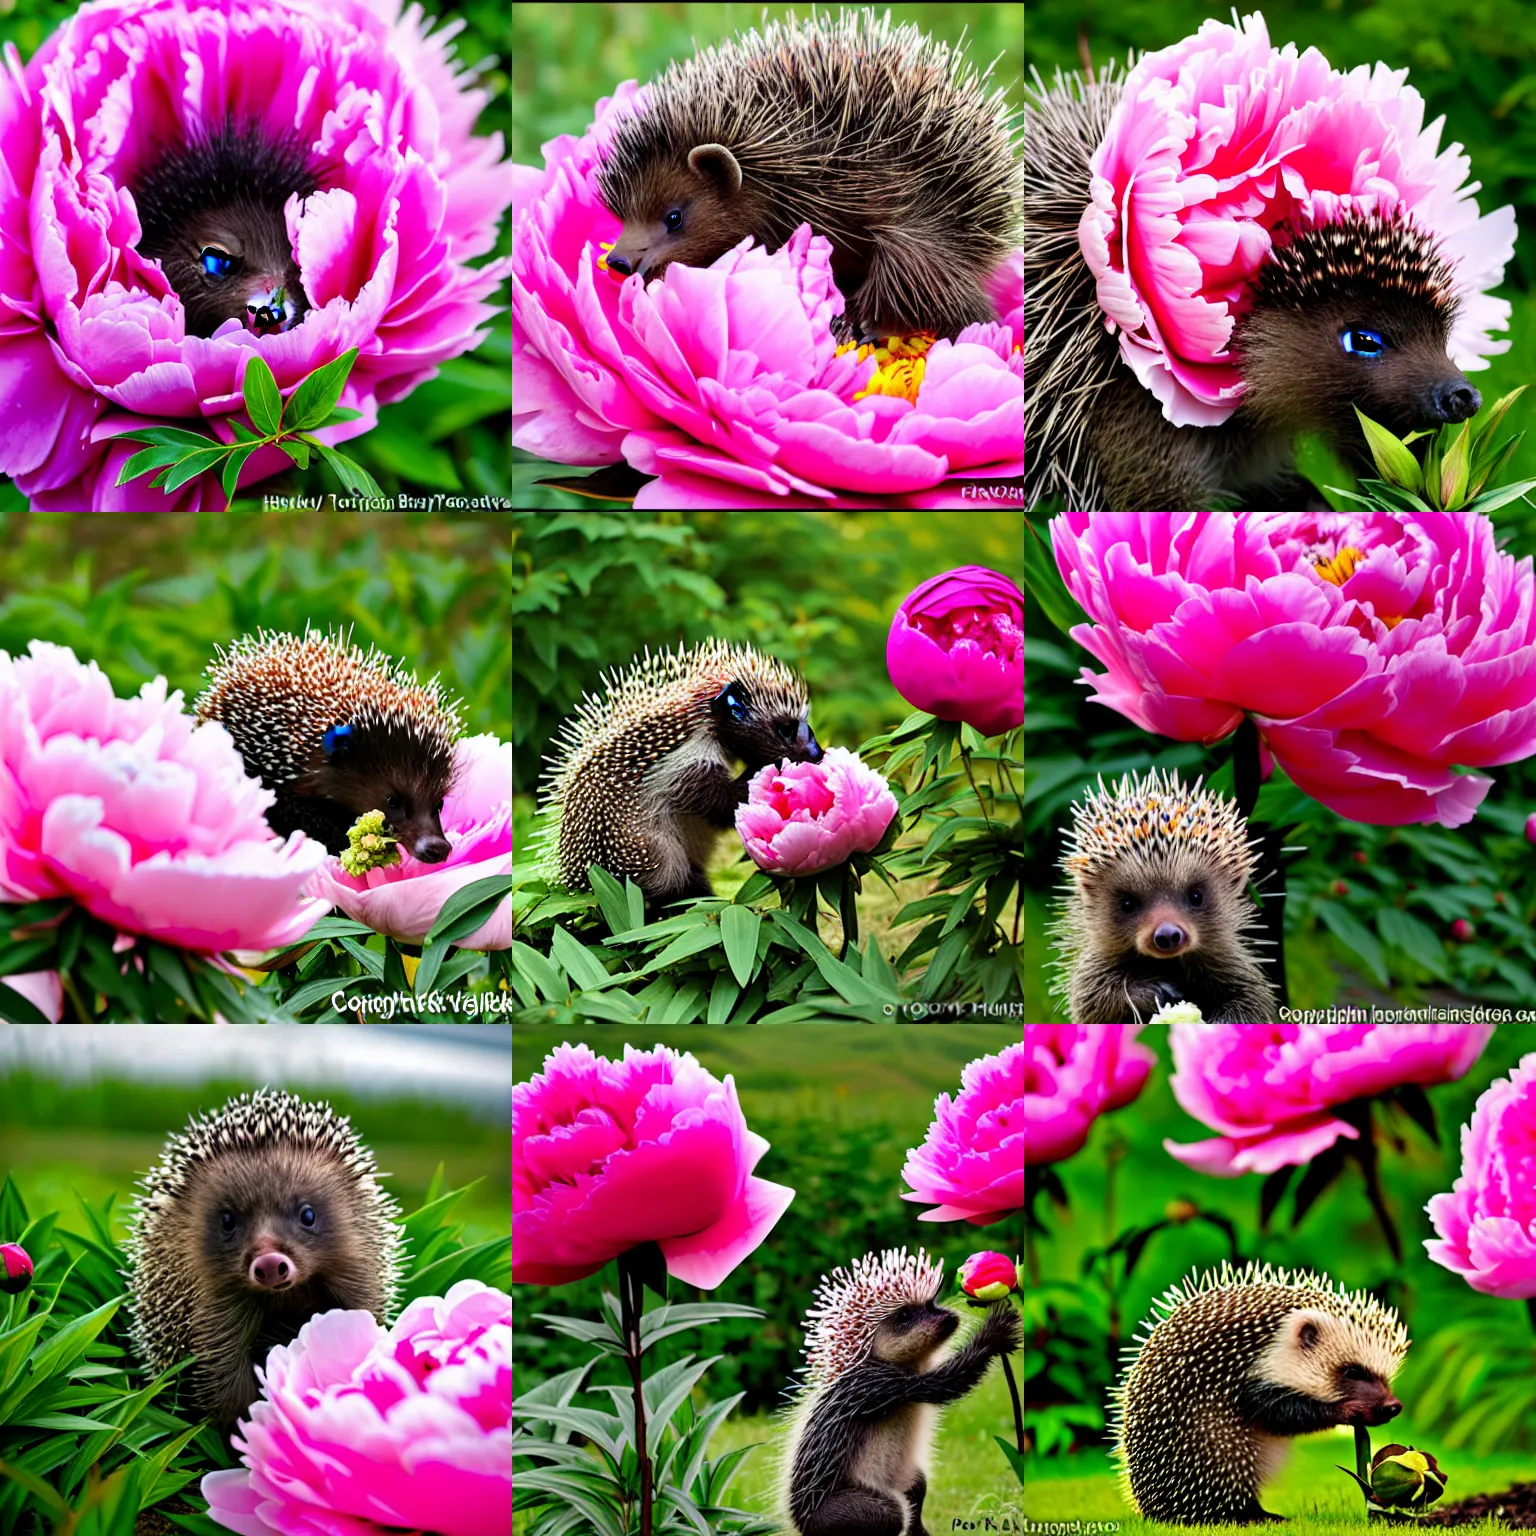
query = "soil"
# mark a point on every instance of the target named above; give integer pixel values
(1516, 1507)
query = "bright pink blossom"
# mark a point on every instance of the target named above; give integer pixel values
(1376, 651)
(362, 1430)
(43, 989)
(93, 340)
(988, 1276)
(724, 382)
(971, 1163)
(610, 1154)
(1073, 1073)
(15, 1269)
(956, 649)
(801, 818)
(1270, 1089)
(1219, 142)
(1487, 1223)
(404, 899)
(139, 814)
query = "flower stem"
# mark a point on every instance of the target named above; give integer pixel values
(1530, 1308)
(1018, 1407)
(631, 1305)
(1365, 1154)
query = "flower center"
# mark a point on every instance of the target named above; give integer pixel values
(900, 365)
(992, 630)
(1340, 567)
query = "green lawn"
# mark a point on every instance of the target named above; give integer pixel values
(1310, 1493)
(969, 1477)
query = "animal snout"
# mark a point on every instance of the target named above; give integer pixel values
(810, 748)
(621, 264)
(1388, 1408)
(270, 310)
(1169, 938)
(1454, 400)
(272, 1271)
(431, 849)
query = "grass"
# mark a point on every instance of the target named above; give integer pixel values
(1310, 1492)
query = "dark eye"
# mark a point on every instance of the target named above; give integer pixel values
(392, 805)
(673, 220)
(1355, 1373)
(1196, 896)
(1359, 342)
(217, 262)
(785, 729)
(227, 1220)
(1128, 903)
(737, 708)
(905, 1316)
(307, 1216)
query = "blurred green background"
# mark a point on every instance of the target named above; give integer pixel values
(1465, 1384)
(567, 57)
(840, 1108)
(1473, 61)
(450, 436)
(154, 594)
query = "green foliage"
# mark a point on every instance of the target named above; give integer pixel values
(88, 1438)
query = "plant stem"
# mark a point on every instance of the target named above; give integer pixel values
(1363, 1460)
(1018, 1407)
(965, 762)
(632, 1304)
(1365, 1154)
(1530, 1308)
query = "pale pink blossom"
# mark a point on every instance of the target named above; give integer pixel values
(1270, 1089)
(43, 989)
(651, 1148)
(1377, 652)
(92, 339)
(725, 382)
(970, 1166)
(802, 818)
(404, 899)
(361, 1430)
(1222, 139)
(1073, 1073)
(1487, 1223)
(139, 814)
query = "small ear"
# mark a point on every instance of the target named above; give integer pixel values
(1308, 1334)
(715, 163)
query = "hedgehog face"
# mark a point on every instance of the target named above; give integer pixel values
(1161, 909)
(761, 731)
(913, 1333)
(1320, 1370)
(382, 769)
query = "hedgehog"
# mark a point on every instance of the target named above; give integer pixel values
(1229, 1367)
(334, 734)
(639, 780)
(861, 1425)
(1155, 907)
(883, 139)
(1354, 313)
(212, 212)
(256, 1218)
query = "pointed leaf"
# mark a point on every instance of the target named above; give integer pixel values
(231, 476)
(1493, 417)
(314, 399)
(1394, 461)
(1456, 469)
(1489, 466)
(151, 458)
(297, 450)
(192, 466)
(263, 399)
(739, 929)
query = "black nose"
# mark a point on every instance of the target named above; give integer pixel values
(809, 745)
(620, 264)
(1454, 400)
(432, 849)
(1390, 1409)
(1168, 937)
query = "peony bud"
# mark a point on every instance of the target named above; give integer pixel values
(988, 1276)
(1530, 828)
(1462, 930)
(15, 1269)
(1403, 1478)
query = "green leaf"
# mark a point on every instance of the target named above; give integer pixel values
(231, 478)
(1315, 458)
(739, 928)
(352, 476)
(1016, 1461)
(151, 458)
(1044, 580)
(452, 921)
(297, 449)
(611, 899)
(409, 458)
(533, 965)
(705, 936)
(193, 465)
(315, 398)
(340, 414)
(263, 399)
(1493, 419)
(757, 884)
(167, 436)
(1456, 469)
(1356, 937)
(1502, 497)
(1395, 462)
(580, 964)
(1487, 468)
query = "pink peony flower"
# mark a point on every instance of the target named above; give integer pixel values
(1270, 1088)
(43, 989)
(610, 1154)
(988, 1276)
(1375, 651)
(360, 1430)
(725, 383)
(1221, 141)
(139, 814)
(1075, 1073)
(96, 341)
(802, 818)
(1487, 1224)
(15, 1268)
(971, 1162)
(956, 649)
(404, 899)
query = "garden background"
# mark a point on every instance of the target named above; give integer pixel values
(452, 434)
(1465, 1385)
(1368, 909)
(840, 1108)
(567, 57)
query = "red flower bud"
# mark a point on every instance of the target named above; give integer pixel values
(15, 1268)
(1462, 930)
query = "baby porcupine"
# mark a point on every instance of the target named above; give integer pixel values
(639, 780)
(881, 138)
(1355, 313)
(861, 1427)
(335, 733)
(1230, 1366)
(255, 1218)
(212, 214)
(1155, 907)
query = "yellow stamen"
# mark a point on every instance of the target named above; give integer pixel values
(900, 365)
